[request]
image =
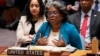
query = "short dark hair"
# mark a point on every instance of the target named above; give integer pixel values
(60, 6)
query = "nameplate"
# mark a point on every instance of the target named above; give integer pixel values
(25, 52)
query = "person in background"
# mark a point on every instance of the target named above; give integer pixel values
(72, 6)
(30, 22)
(87, 22)
(96, 5)
(47, 2)
(20, 6)
(57, 31)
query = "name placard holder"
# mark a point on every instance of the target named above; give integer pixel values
(94, 48)
(25, 52)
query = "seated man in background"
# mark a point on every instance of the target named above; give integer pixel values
(87, 22)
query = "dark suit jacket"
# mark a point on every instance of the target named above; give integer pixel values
(94, 23)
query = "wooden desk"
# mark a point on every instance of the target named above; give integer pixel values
(80, 53)
(76, 53)
(46, 53)
(2, 48)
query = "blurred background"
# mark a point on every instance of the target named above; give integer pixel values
(9, 13)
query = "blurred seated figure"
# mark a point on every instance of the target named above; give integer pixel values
(47, 2)
(96, 5)
(11, 11)
(72, 6)
(87, 22)
(13, 26)
(30, 22)
(10, 14)
(57, 31)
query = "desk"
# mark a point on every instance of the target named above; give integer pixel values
(2, 48)
(76, 53)
(45, 54)
(80, 53)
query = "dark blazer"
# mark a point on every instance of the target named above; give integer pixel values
(94, 23)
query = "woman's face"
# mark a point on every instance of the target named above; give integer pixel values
(34, 7)
(54, 17)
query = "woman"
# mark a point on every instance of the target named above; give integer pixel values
(57, 31)
(30, 22)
